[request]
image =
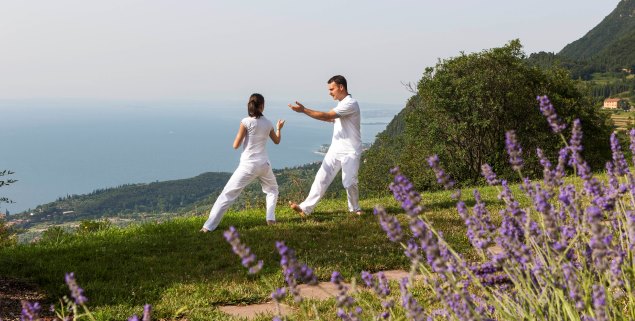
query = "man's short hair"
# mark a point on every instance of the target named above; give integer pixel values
(338, 79)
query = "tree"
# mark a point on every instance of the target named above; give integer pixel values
(464, 106)
(7, 235)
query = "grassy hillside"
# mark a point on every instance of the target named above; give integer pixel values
(184, 273)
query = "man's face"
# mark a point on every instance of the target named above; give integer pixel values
(336, 91)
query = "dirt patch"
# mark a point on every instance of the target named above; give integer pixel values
(13, 292)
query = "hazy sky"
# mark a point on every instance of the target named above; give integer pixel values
(213, 50)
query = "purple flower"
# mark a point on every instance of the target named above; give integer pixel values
(442, 178)
(514, 150)
(76, 292)
(147, 312)
(618, 157)
(414, 311)
(599, 302)
(404, 192)
(389, 224)
(279, 294)
(248, 259)
(575, 143)
(30, 311)
(572, 286)
(632, 145)
(344, 302)
(293, 271)
(601, 238)
(378, 283)
(546, 108)
(134, 317)
(489, 174)
(479, 226)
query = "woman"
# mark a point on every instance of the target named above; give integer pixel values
(254, 163)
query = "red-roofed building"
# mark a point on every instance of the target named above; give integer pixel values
(613, 103)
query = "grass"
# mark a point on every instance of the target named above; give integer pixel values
(187, 274)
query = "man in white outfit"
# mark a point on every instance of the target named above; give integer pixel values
(345, 150)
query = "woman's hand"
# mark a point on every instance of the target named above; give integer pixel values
(280, 124)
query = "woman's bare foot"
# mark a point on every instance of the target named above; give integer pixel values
(297, 208)
(204, 230)
(271, 222)
(359, 212)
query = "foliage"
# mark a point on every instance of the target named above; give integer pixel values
(462, 109)
(7, 233)
(611, 44)
(88, 226)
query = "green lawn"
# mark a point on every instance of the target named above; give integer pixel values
(186, 274)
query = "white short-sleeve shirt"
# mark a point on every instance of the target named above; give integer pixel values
(347, 137)
(255, 143)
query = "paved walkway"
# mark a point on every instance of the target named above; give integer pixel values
(321, 291)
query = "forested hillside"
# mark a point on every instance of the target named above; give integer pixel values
(191, 194)
(611, 44)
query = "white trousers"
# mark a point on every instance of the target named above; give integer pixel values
(332, 163)
(243, 175)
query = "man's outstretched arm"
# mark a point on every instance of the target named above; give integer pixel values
(319, 115)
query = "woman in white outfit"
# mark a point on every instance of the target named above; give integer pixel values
(253, 133)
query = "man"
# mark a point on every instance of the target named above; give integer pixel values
(344, 152)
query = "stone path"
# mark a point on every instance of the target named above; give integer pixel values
(321, 291)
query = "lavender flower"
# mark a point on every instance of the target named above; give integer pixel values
(248, 259)
(30, 311)
(134, 317)
(76, 292)
(514, 150)
(279, 294)
(345, 303)
(442, 178)
(389, 224)
(575, 143)
(601, 238)
(618, 157)
(599, 302)
(294, 271)
(414, 311)
(489, 174)
(147, 311)
(546, 108)
(572, 286)
(479, 226)
(404, 192)
(631, 134)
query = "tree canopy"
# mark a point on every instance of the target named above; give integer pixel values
(462, 109)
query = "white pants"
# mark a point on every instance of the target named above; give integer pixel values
(245, 174)
(332, 163)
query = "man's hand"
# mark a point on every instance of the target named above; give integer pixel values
(298, 108)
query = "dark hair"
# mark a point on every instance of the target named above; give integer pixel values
(340, 80)
(255, 104)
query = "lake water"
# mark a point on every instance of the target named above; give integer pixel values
(66, 147)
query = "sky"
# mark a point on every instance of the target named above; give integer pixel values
(286, 50)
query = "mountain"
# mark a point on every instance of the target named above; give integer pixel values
(611, 43)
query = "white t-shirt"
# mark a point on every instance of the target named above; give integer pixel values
(347, 137)
(255, 142)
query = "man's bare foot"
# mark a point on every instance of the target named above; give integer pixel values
(297, 208)
(271, 222)
(204, 230)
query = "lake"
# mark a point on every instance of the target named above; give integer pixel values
(65, 147)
